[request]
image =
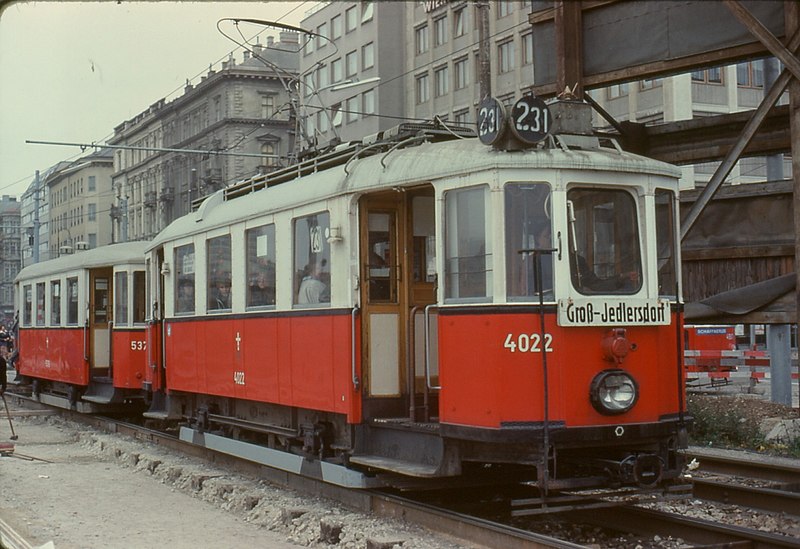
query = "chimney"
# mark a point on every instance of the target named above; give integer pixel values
(270, 41)
(257, 49)
(246, 55)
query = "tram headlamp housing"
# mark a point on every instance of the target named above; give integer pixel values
(613, 392)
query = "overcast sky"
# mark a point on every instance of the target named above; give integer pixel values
(72, 71)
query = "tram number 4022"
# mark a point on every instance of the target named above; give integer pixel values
(525, 343)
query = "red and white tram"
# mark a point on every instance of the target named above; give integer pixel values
(81, 327)
(375, 310)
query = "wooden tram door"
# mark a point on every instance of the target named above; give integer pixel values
(99, 321)
(397, 281)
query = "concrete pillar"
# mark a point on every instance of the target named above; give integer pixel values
(780, 364)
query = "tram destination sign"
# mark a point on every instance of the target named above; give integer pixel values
(613, 312)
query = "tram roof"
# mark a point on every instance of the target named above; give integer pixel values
(111, 255)
(424, 163)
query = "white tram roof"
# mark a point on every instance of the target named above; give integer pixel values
(412, 165)
(126, 253)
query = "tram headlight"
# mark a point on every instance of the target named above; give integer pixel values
(613, 392)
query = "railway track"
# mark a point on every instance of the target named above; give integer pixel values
(495, 531)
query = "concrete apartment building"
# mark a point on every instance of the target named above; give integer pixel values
(80, 197)
(35, 217)
(240, 113)
(9, 255)
(350, 70)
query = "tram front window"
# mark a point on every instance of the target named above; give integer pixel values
(528, 227)
(604, 253)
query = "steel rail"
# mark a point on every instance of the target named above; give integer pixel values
(767, 499)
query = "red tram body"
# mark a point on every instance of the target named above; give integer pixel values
(417, 306)
(75, 344)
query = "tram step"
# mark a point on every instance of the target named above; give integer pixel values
(397, 466)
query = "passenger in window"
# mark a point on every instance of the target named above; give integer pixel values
(221, 294)
(312, 289)
(185, 296)
(261, 293)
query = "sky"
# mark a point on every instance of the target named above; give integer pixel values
(73, 71)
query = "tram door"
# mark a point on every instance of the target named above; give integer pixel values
(397, 243)
(99, 321)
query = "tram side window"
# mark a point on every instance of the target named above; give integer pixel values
(139, 294)
(184, 279)
(218, 260)
(468, 251)
(312, 259)
(40, 304)
(528, 227)
(121, 299)
(604, 253)
(261, 266)
(665, 243)
(26, 313)
(55, 302)
(72, 300)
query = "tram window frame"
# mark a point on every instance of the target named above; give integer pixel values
(139, 297)
(73, 300)
(121, 298)
(312, 253)
(260, 262)
(218, 274)
(41, 318)
(55, 303)
(528, 225)
(666, 243)
(462, 216)
(184, 257)
(27, 310)
(597, 266)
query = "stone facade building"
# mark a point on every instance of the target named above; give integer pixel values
(9, 255)
(241, 114)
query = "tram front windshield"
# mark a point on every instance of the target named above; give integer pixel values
(604, 249)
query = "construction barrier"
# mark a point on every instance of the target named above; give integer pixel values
(721, 367)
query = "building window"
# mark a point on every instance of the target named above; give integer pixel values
(92, 185)
(308, 47)
(750, 74)
(421, 39)
(505, 56)
(367, 56)
(649, 83)
(366, 12)
(260, 266)
(336, 114)
(351, 63)
(350, 19)
(504, 8)
(461, 117)
(268, 150)
(708, 76)
(369, 102)
(442, 80)
(336, 71)
(336, 27)
(312, 260)
(440, 31)
(423, 93)
(527, 49)
(461, 68)
(322, 77)
(92, 240)
(322, 121)
(618, 90)
(459, 22)
(267, 105)
(322, 39)
(352, 109)
(92, 212)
